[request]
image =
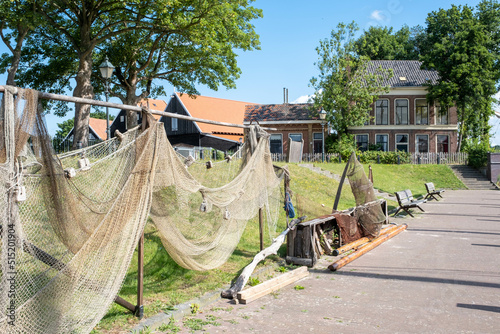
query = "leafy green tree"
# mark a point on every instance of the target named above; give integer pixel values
(381, 43)
(458, 45)
(346, 87)
(17, 19)
(196, 47)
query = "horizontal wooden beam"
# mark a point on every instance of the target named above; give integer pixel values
(50, 96)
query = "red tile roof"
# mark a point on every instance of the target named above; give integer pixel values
(99, 127)
(215, 109)
(158, 105)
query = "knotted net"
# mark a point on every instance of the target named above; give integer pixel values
(69, 228)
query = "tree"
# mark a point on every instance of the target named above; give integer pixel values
(17, 19)
(195, 47)
(380, 43)
(458, 45)
(345, 87)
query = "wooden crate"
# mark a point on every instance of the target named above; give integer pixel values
(303, 244)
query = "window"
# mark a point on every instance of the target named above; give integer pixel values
(383, 142)
(441, 115)
(317, 142)
(421, 112)
(295, 136)
(175, 124)
(362, 142)
(276, 143)
(381, 112)
(422, 143)
(402, 142)
(443, 143)
(401, 111)
(122, 119)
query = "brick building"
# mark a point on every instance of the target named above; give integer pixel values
(403, 119)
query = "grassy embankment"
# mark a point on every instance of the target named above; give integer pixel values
(166, 284)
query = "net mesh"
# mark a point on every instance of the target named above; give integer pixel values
(66, 247)
(368, 212)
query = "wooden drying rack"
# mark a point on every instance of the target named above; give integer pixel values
(138, 309)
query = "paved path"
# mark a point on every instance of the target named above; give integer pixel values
(442, 275)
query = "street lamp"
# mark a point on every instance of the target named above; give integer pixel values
(106, 69)
(322, 117)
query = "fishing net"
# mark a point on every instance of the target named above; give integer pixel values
(368, 212)
(70, 224)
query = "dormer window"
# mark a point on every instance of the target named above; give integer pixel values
(402, 79)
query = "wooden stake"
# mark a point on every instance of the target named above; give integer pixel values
(139, 312)
(341, 184)
(261, 229)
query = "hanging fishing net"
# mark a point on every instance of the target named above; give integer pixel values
(368, 216)
(70, 224)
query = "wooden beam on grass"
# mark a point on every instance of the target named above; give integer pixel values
(272, 285)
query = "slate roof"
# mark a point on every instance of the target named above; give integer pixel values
(279, 112)
(409, 69)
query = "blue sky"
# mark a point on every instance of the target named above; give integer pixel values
(289, 33)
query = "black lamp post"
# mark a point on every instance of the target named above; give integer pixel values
(107, 69)
(322, 117)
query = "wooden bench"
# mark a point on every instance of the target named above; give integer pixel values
(431, 191)
(407, 202)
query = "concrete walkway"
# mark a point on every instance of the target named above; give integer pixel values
(442, 275)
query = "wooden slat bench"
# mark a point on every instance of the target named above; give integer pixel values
(431, 191)
(407, 202)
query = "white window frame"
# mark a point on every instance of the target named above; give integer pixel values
(298, 133)
(415, 103)
(437, 142)
(388, 111)
(416, 143)
(407, 112)
(174, 124)
(382, 134)
(362, 134)
(396, 141)
(437, 106)
(281, 140)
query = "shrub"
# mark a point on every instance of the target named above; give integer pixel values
(478, 155)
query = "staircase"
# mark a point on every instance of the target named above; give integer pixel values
(472, 178)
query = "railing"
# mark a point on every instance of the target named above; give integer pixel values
(416, 158)
(459, 158)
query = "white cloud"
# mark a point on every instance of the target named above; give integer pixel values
(303, 99)
(378, 15)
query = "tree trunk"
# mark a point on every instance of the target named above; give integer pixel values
(83, 89)
(132, 100)
(16, 55)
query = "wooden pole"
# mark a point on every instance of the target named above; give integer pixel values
(369, 246)
(261, 229)
(49, 96)
(139, 312)
(341, 184)
(360, 241)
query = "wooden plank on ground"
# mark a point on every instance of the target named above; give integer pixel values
(255, 292)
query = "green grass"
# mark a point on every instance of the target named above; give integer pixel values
(392, 178)
(166, 284)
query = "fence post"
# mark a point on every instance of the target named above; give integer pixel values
(378, 158)
(419, 160)
(438, 158)
(399, 160)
